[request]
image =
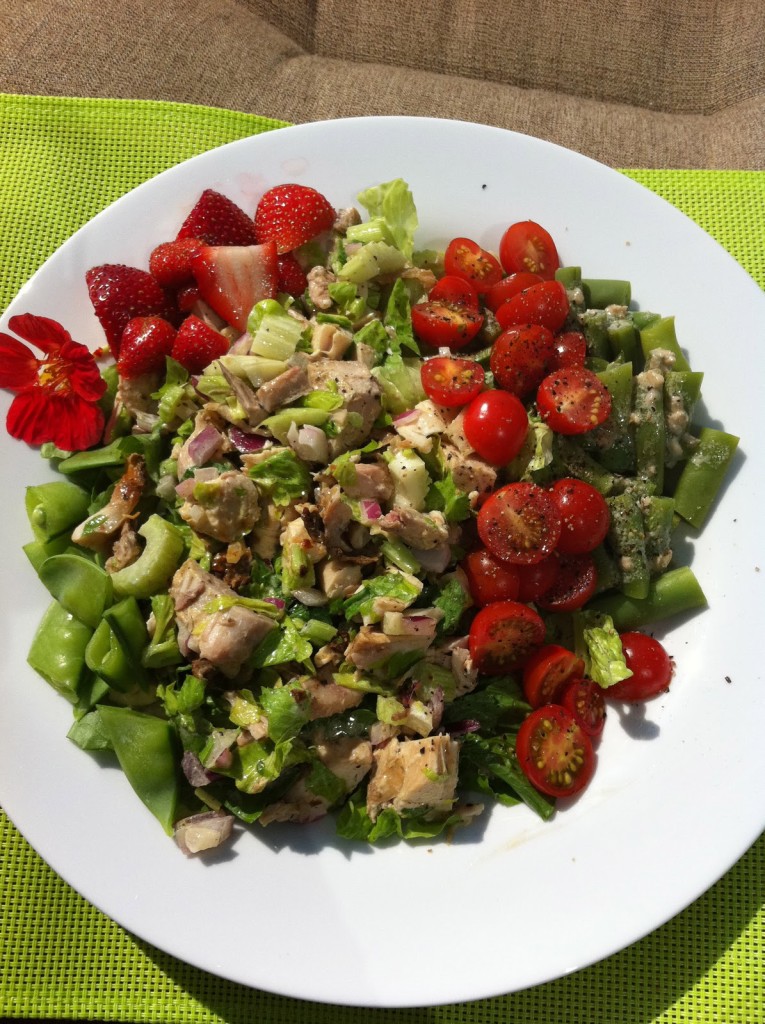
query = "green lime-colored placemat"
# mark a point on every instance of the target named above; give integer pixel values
(61, 161)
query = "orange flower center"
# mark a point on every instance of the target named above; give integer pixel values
(54, 375)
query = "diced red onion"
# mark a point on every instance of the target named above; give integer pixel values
(463, 727)
(310, 597)
(185, 488)
(244, 442)
(309, 443)
(195, 772)
(241, 347)
(202, 446)
(406, 417)
(275, 601)
(201, 832)
(370, 509)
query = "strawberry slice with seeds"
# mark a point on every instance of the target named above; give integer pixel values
(145, 344)
(216, 220)
(292, 215)
(232, 278)
(170, 262)
(119, 293)
(197, 344)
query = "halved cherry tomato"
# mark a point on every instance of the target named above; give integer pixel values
(554, 751)
(576, 583)
(445, 324)
(573, 401)
(519, 523)
(451, 381)
(546, 671)
(528, 246)
(521, 357)
(454, 290)
(502, 635)
(509, 286)
(489, 579)
(495, 425)
(466, 258)
(583, 699)
(584, 515)
(545, 304)
(535, 579)
(651, 668)
(570, 349)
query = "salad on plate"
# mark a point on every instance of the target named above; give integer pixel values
(346, 526)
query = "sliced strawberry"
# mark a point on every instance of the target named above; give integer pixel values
(197, 344)
(145, 344)
(232, 278)
(170, 262)
(292, 215)
(216, 220)
(119, 293)
(292, 279)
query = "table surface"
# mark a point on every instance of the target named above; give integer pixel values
(62, 161)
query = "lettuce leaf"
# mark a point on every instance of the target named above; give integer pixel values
(283, 477)
(363, 602)
(601, 648)
(392, 203)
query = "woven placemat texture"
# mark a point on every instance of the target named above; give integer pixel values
(61, 161)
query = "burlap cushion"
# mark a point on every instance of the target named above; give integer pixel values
(644, 83)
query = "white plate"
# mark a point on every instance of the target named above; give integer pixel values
(677, 797)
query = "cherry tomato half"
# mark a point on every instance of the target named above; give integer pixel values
(445, 324)
(528, 246)
(521, 357)
(502, 635)
(570, 350)
(465, 258)
(554, 751)
(495, 425)
(489, 579)
(536, 579)
(650, 665)
(451, 381)
(519, 523)
(573, 401)
(455, 291)
(509, 286)
(584, 515)
(576, 583)
(545, 304)
(583, 699)
(546, 671)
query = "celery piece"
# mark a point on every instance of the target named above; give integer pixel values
(675, 592)
(370, 261)
(275, 334)
(255, 369)
(703, 475)
(152, 570)
(280, 423)
(79, 585)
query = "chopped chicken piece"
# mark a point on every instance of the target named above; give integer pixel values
(329, 341)
(97, 531)
(336, 515)
(126, 550)
(338, 578)
(225, 508)
(418, 773)
(371, 646)
(418, 529)
(225, 638)
(361, 398)
(284, 389)
(319, 280)
(372, 481)
(329, 698)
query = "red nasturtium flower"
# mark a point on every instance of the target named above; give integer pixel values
(57, 393)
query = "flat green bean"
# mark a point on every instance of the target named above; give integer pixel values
(703, 475)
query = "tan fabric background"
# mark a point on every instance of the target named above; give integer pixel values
(647, 83)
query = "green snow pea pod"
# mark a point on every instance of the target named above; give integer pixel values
(146, 750)
(80, 585)
(38, 550)
(115, 649)
(58, 650)
(151, 571)
(55, 508)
